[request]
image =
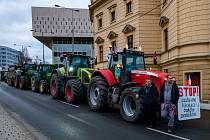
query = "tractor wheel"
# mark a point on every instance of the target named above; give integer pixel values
(43, 87)
(9, 81)
(54, 87)
(33, 83)
(73, 90)
(97, 94)
(16, 82)
(132, 107)
(22, 82)
(12, 82)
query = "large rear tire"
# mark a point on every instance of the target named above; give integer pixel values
(55, 88)
(43, 87)
(73, 90)
(16, 82)
(33, 84)
(97, 94)
(23, 82)
(132, 107)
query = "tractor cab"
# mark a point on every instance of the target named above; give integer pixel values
(29, 67)
(122, 63)
(45, 68)
(72, 62)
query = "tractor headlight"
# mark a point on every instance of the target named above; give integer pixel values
(71, 69)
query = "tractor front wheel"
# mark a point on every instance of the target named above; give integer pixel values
(132, 105)
(43, 87)
(73, 90)
(33, 83)
(97, 94)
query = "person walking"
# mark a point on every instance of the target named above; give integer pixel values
(169, 96)
(151, 102)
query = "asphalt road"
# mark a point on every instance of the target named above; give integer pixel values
(59, 121)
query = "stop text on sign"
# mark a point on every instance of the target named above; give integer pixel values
(188, 91)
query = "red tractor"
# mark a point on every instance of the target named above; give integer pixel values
(122, 83)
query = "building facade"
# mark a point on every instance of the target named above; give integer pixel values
(63, 30)
(178, 31)
(8, 56)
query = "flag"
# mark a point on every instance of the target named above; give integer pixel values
(188, 81)
(155, 58)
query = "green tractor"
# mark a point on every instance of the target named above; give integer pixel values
(71, 81)
(24, 74)
(40, 80)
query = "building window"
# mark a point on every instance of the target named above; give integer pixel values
(101, 54)
(130, 41)
(114, 45)
(129, 7)
(166, 39)
(100, 23)
(113, 15)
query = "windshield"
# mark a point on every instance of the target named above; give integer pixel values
(30, 67)
(111, 62)
(80, 62)
(47, 68)
(134, 62)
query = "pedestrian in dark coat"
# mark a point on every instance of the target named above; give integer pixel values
(151, 101)
(169, 96)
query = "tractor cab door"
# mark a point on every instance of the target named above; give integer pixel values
(115, 65)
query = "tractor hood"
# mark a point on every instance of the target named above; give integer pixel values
(140, 76)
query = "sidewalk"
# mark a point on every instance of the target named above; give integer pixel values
(12, 129)
(205, 106)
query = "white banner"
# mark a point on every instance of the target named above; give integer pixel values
(189, 103)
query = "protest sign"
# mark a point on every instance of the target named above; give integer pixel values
(189, 103)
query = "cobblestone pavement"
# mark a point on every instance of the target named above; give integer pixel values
(11, 129)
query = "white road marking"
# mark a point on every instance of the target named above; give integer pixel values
(80, 120)
(175, 136)
(69, 104)
(36, 93)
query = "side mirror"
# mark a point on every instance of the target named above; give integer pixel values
(61, 59)
(95, 62)
(115, 57)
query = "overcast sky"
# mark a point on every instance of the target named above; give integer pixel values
(15, 23)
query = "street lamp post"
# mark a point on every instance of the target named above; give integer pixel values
(42, 42)
(72, 15)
